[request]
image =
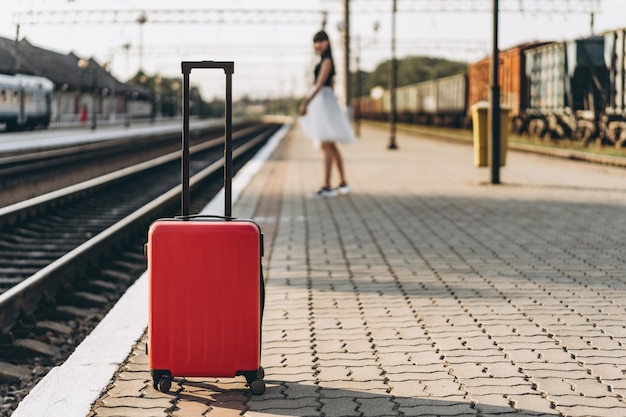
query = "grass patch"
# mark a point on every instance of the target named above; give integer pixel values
(467, 135)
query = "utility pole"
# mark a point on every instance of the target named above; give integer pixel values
(357, 110)
(393, 72)
(346, 53)
(359, 82)
(142, 19)
(495, 103)
(18, 56)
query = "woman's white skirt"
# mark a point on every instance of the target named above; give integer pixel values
(325, 120)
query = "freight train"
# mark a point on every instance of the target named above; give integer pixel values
(25, 101)
(573, 89)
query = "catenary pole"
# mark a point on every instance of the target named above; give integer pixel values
(346, 54)
(393, 73)
(495, 103)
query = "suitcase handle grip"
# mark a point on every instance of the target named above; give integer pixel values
(204, 216)
(227, 66)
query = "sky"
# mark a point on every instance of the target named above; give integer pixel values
(273, 51)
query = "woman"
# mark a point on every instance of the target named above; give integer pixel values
(323, 120)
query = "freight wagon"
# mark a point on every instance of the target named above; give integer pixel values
(573, 89)
(614, 118)
(568, 85)
(513, 84)
(439, 102)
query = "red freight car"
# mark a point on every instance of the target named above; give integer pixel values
(513, 82)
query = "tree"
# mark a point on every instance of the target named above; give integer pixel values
(169, 92)
(411, 70)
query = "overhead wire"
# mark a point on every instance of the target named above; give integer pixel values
(478, 6)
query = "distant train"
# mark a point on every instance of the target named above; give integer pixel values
(25, 101)
(573, 89)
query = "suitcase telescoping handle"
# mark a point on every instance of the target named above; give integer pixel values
(229, 69)
(204, 216)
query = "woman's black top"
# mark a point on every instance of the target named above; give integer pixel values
(329, 80)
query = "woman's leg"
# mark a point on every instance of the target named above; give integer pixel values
(336, 156)
(327, 147)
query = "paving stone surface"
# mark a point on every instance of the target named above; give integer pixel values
(426, 291)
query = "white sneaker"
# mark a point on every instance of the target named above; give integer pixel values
(343, 189)
(324, 192)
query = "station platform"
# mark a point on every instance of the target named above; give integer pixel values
(36, 140)
(424, 292)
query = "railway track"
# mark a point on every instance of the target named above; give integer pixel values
(25, 175)
(67, 256)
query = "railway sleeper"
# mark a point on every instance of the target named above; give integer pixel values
(117, 275)
(29, 327)
(64, 304)
(99, 284)
(60, 328)
(83, 299)
(130, 264)
(13, 373)
(73, 312)
(23, 264)
(35, 245)
(7, 282)
(32, 347)
(24, 344)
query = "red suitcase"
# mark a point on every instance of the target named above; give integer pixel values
(205, 282)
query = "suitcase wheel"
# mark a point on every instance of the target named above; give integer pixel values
(255, 380)
(164, 384)
(257, 387)
(161, 380)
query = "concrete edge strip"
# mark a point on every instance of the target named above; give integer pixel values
(71, 389)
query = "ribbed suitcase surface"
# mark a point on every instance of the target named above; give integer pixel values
(204, 311)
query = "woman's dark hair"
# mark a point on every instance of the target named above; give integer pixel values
(320, 36)
(323, 36)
